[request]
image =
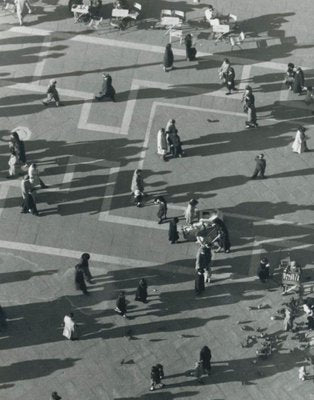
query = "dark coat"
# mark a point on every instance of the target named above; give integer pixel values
(84, 266)
(298, 82)
(79, 279)
(230, 76)
(173, 232)
(141, 291)
(168, 58)
(121, 304)
(224, 239)
(203, 258)
(205, 357)
(260, 164)
(199, 282)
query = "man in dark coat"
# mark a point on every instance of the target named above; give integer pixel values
(205, 357)
(260, 167)
(162, 208)
(84, 265)
(173, 235)
(298, 83)
(168, 58)
(79, 279)
(263, 270)
(141, 292)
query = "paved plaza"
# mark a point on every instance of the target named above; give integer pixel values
(87, 151)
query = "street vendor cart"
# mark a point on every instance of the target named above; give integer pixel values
(291, 275)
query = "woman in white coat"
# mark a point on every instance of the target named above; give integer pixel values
(299, 145)
(69, 330)
(162, 146)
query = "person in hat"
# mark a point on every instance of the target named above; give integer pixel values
(84, 265)
(263, 270)
(107, 91)
(52, 94)
(55, 396)
(260, 167)
(299, 144)
(191, 211)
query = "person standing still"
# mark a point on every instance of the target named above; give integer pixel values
(260, 167)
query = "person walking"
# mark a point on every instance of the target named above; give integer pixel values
(175, 144)
(156, 377)
(17, 147)
(141, 291)
(121, 306)
(199, 281)
(222, 71)
(298, 83)
(288, 320)
(29, 202)
(173, 235)
(203, 261)
(168, 58)
(189, 49)
(34, 177)
(162, 208)
(260, 167)
(107, 91)
(70, 327)
(299, 144)
(52, 94)
(205, 358)
(19, 6)
(162, 146)
(84, 265)
(79, 279)
(191, 211)
(230, 79)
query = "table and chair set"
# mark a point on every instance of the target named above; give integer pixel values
(224, 28)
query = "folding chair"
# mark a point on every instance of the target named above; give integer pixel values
(180, 14)
(177, 34)
(237, 41)
(135, 12)
(165, 13)
(220, 32)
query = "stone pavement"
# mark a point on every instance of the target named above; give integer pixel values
(87, 153)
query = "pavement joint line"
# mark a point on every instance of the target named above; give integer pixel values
(43, 54)
(144, 47)
(75, 254)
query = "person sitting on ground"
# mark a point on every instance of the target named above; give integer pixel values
(162, 208)
(263, 270)
(290, 76)
(52, 94)
(107, 91)
(141, 291)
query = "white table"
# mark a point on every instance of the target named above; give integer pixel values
(79, 11)
(170, 23)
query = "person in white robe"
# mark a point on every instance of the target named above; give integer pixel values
(299, 145)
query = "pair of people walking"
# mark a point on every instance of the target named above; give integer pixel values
(169, 138)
